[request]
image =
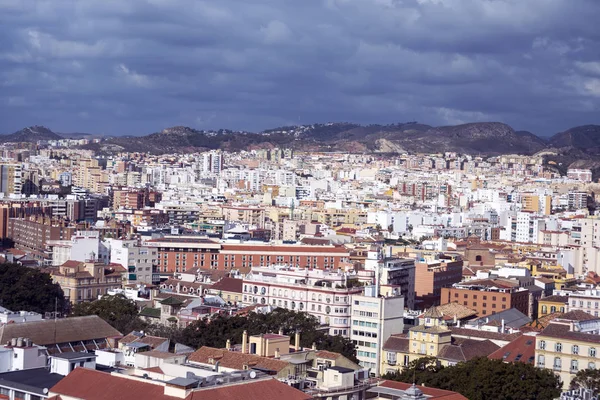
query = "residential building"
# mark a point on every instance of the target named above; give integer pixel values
(569, 344)
(10, 179)
(324, 294)
(432, 273)
(488, 296)
(138, 260)
(374, 319)
(87, 281)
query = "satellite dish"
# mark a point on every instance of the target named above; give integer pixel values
(45, 390)
(252, 374)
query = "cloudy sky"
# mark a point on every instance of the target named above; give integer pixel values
(137, 66)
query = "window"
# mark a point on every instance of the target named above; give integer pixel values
(592, 352)
(558, 347)
(541, 361)
(574, 365)
(575, 349)
(557, 363)
(592, 365)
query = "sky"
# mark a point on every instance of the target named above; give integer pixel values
(138, 66)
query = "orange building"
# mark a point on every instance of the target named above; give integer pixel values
(433, 275)
(178, 254)
(488, 296)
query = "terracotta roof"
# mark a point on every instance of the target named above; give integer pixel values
(522, 349)
(456, 309)
(285, 249)
(154, 369)
(434, 394)
(71, 329)
(398, 343)
(83, 383)
(152, 341)
(466, 349)
(227, 284)
(268, 389)
(235, 359)
(330, 355)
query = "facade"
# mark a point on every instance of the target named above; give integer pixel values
(10, 179)
(324, 294)
(569, 344)
(374, 319)
(488, 296)
(34, 234)
(178, 254)
(139, 261)
(86, 281)
(83, 246)
(434, 273)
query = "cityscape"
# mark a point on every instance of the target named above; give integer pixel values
(295, 200)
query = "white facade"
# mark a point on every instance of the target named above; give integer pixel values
(374, 320)
(320, 293)
(137, 259)
(83, 246)
(22, 355)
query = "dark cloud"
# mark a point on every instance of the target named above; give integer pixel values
(137, 66)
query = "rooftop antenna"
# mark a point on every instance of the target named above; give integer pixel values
(55, 313)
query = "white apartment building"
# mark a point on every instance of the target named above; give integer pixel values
(374, 319)
(324, 294)
(137, 259)
(83, 246)
(586, 300)
(393, 274)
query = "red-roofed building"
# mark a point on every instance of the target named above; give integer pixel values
(522, 349)
(89, 384)
(401, 390)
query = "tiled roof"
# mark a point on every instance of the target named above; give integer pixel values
(455, 309)
(83, 383)
(228, 285)
(150, 312)
(62, 330)
(433, 394)
(235, 359)
(152, 341)
(330, 355)
(398, 343)
(522, 349)
(556, 299)
(562, 331)
(268, 389)
(577, 315)
(466, 349)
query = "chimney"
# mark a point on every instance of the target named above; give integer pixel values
(228, 344)
(277, 353)
(297, 341)
(244, 342)
(314, 346)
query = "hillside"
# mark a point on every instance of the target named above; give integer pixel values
(30, 134)
(586, 137)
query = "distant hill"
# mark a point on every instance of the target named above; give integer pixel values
(484, 138)
(30, 134)
(586, 137)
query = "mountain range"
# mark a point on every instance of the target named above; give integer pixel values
(485, 138)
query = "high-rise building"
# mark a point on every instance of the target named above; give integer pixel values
(10, 179)
(374, 319)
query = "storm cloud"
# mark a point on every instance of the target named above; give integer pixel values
(137, 66)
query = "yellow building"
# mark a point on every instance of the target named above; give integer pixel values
(568, 345)
(552, 304)
(432, 338)
(86, 281)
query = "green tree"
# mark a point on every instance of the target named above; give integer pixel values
(215, 331)
(587, 379)
(120, 312)
(482, 378)
(28, 289)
